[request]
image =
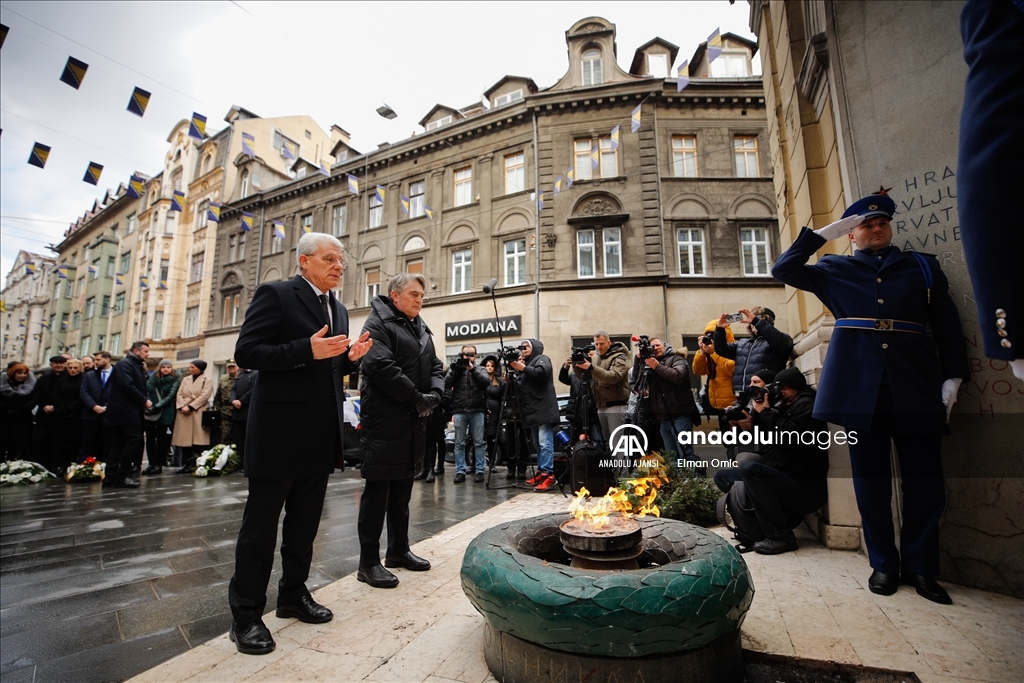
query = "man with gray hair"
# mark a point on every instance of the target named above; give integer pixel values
(402, 384)
(296, 334)
(608, 369)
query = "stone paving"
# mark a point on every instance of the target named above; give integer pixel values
(102, 584)
(812, 604)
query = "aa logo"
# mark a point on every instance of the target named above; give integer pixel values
(628, 441)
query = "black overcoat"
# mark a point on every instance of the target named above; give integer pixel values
(128, 393)
(94, 393)
(399, 367)
(538, 402)
(296, 407)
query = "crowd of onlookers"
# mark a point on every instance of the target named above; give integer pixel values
(79, 408)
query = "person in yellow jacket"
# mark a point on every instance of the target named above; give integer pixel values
(718, 369)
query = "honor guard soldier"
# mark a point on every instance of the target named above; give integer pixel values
(894, 365)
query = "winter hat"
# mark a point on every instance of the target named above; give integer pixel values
(766, 376)
(169, 364)
(201, 364)
(791, 377)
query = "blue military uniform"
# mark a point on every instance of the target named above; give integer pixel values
(882, 379)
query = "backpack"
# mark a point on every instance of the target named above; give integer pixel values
(586, 468)
(747, 530)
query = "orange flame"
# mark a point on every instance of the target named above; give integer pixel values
(595, 511)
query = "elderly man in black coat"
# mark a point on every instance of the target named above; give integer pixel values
(296, 334)
(402, 385)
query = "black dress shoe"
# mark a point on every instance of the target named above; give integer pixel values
(305, 610)
(152, 470)
(459, 478)
(419, 476)
(377, 576)
(129, 483)
(928, 588)
(883, 583)
(478, 477)
(439, 469)
(430, 477)
(187, 469)
(776, 546)
(252, 639)
(407, 561)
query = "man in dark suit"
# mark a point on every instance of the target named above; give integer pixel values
(296, 335)
(887, 380)
(95, 395)
(128, 400)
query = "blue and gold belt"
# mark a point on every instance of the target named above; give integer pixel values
(881, 325)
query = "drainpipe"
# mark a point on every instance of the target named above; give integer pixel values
(259, 247)
(536, 230)
(661, 219)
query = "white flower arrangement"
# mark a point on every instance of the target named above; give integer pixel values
(22, 473)
(220, 460)
(90, 469)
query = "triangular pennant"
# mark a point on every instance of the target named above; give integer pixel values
(634, 119)
(74, 72)
(615, 138)
(683, 75)
(138, 102)
(92, 173)
(714, 46)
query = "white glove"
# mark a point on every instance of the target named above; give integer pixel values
(841, 227)
(1017, 366)
(949, 394)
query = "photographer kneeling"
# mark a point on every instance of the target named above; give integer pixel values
(789, 480)
(669, 398)
(467, 383)
(739, 415)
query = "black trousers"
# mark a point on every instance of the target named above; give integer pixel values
(158, 443)
(96, 439)
(125, 450)
(238, 436)
(388, 498)
(779, 500)
(303, 503)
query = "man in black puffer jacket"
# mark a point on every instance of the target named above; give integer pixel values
(669, 398)
(467, 383)
(767, 348)
(539, 407)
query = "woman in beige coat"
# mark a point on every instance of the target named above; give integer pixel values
(193, 397)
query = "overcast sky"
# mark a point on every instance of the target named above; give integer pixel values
(336, 61)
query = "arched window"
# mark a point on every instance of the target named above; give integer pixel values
(592, 74)
(415, 243)
(244, 192)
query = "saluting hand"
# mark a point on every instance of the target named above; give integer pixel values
(328, 347)
(361, 347)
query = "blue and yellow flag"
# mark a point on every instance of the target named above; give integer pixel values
(324, 169)
(92, 173)
(540, 201)
(714, 46)
(30, 267)
(595, 157)
(381, 193)
(306, 228)
(429, 212)
(40, 153)
(353, 184)
(144, 282)
(118, 278)
(246, 221)
(74, 72)
(44, 325)
(62, 272)
(570, 177)
(21, 323)
(289, 150)
(197, 127)
(135, 186)
(163, 284)
(683, 75)
(558, 185)
(213, 212)
(405, 203)
(278, 230)
(138, 102)
(249, 145)
(92, 269)
(615, 138)
(177, 201)
(634, 119)
(63, 328)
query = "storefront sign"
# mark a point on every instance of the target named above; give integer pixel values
(480, 329)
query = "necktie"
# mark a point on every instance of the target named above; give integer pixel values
(103, 376)
(327, 314)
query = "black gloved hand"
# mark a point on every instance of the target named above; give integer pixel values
(426, 404)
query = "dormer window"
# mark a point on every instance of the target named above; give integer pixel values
(730, 65)
(657, 65)
(508, 98)
(438, 123)
(245, 185)
(592, 74)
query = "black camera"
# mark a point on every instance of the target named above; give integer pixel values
(643, 345)
(735, 411)
(581, 354)
(463, 361)
(707, 340)
(772, 391)
(509, 354)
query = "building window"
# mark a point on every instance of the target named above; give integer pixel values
(592, 74)
(508, 98)
(126, 261)
(53, 319)
(462, 271)
(233, 248)
(176, 178)
(207, 162)
(81, 286)
(417, 199)
(581, 155)
(301, 173)
(691, 251)
(165, 267)
(437, 124)
(657, 65)
(86, 343)
(276, 243)
(158, 325)
(372, 285)
(414, 243)
(289, 149)
(340, 218)
(115, 343)
(609, 158)
(110, 266)
(105, 306)
(607, 166)
(119, 304)
(754, 246)
(376, 210)
(585, 253)
(463, 186)
(90, 307)
(131, 224)
(414, 266)
(142, 326)
(196, 270)
(191, 321)
(612, 238)
(515, 173)
(76, 320)
(244, 192)
(102, 340)
(56, 290)
(684, 156)
(201, 217)
(170, 221)
(63, 321)
(746, 156)
(307, 223)
(730, 66)
(515, 262)
(67, 289)
(232, 310)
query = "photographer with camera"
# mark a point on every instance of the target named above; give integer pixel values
(669, 398)
(607, 364)
(467, 383)
(716, 395)
(767, 348)
(739, 413)
(539, 408)
(789, 480)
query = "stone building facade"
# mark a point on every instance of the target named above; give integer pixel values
(23, 314)
(838, 129)
(662, 229)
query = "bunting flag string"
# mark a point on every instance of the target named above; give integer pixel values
(405, 204)
(246, 221)
(138, 102)
(213, 212)
(92, 173)
(324, 170)
(135, 186)
(429, 212)
(30, 267)
(177, 201)
(306, 228)
(118, 278)
(289, 150)
(162, 285)
(714, 46)
(570, 177)
(615, 138)
(62, 272)
(353, 184)
(278, 230)
(595, 156)
(249, 145)
(92, 269)
(381, 193)
(144, 282)
(683, 75)
(74, 72)
(558, 185)
(634, 119)
(197, 127)
(40, 153)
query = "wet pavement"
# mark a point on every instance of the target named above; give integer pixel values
(102, 584)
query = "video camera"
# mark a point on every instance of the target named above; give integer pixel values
(581, 354)
(509, 354)
(463, 361)
(643, 345)
(735, 411)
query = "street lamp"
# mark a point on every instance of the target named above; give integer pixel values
(386, 111)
